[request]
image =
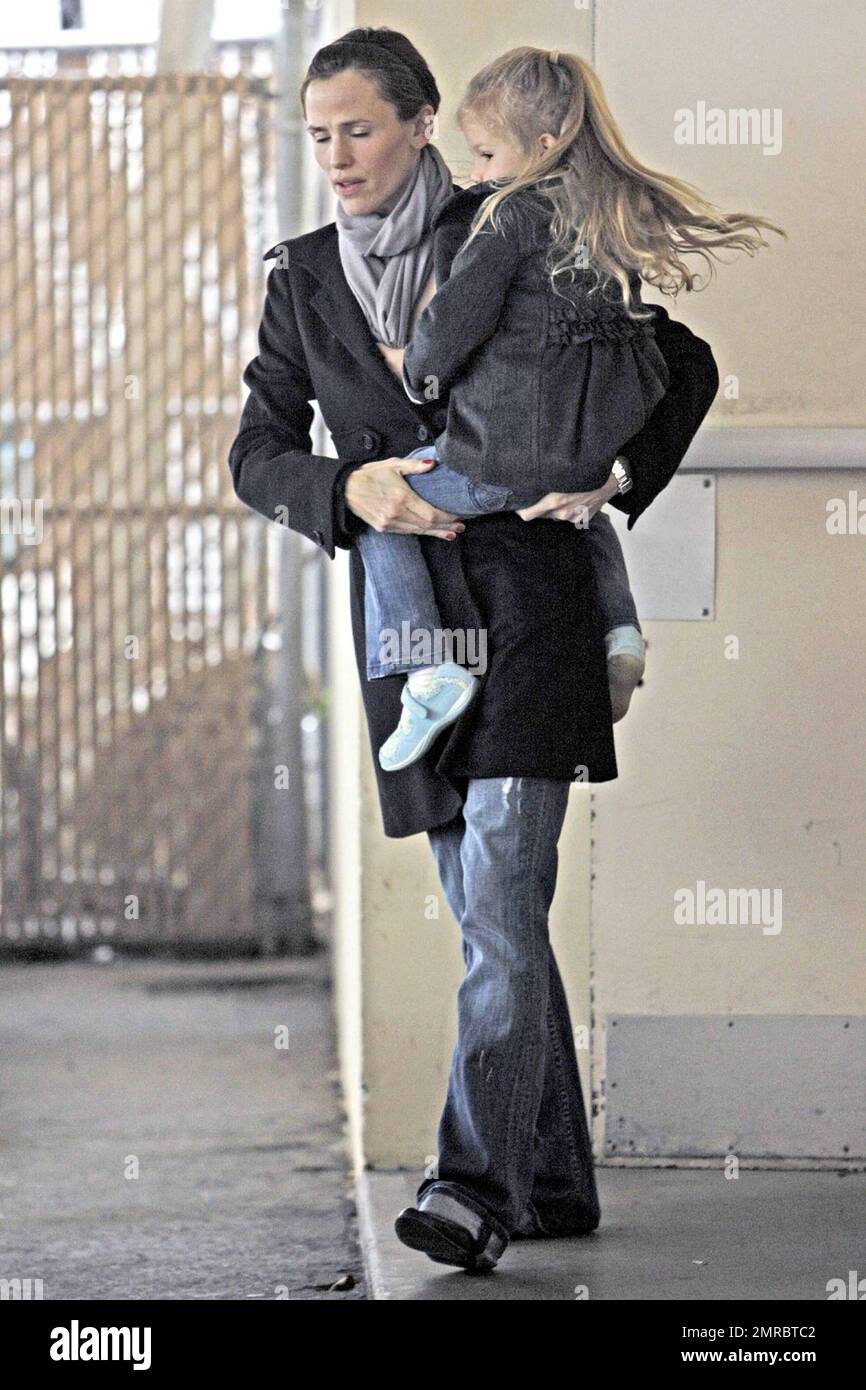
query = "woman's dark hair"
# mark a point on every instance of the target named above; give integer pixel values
(388, 59)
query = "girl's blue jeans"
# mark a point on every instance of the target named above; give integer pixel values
(398, 588)
(513, 1139)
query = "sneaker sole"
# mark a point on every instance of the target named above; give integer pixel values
(433, 732)
(430, 1235)
(624, 672)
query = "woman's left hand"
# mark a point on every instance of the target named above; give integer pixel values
(577, 507)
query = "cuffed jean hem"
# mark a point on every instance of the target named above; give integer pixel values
(376, 672)
(565, 1218)
(458, 1194)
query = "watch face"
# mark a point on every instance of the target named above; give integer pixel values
(620, 472)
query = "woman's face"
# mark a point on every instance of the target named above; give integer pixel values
(367, 152)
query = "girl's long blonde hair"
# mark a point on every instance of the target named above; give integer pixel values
(607, 207)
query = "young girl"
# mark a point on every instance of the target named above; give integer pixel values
(549, 355)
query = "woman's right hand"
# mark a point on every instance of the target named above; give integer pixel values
(377, 494)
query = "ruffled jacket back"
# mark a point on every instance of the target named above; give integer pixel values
(545, 386)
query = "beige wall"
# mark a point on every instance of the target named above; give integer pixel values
(783, 321)
(749, 772)
(746, 772)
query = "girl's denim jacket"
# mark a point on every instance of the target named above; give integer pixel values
(545, 387)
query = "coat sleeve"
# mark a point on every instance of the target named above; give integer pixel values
(273, 468)
(463, 312)
(656, 452)
(447, 240)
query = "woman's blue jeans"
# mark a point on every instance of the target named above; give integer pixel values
(397, 584)
(513, 1137)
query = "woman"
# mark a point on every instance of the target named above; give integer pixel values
(514, 1155)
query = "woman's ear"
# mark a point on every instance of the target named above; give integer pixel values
(546, 140)
(425, 127)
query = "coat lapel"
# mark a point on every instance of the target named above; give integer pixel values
(340, 311)
(338, 308)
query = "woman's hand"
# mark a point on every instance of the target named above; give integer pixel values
(377, 494)
(578, 507)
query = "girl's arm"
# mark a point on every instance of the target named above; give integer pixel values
(463, 313)
(394, 356)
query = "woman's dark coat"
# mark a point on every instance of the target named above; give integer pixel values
(543, 708)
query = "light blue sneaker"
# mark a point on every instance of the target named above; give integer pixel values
(626, 663)
(445, 695)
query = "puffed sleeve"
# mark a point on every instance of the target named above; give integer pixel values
(464, 311)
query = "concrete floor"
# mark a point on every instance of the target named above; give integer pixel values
(686, 1233)
(242, 1188)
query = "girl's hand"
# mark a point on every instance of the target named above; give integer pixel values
(577, 507)
(394, 358)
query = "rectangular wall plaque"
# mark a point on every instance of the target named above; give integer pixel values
(765, 1085)
(671, 553)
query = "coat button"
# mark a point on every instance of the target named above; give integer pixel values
(423, 432)
(367, 440)
(318, 537)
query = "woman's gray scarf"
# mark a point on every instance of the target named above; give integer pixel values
(387, 260)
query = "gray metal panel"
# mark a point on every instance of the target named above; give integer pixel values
(671, 553)
(770, 1085)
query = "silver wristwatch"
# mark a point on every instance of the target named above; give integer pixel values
(621, 471)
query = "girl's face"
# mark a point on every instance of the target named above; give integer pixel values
(367, 152)
(495, 156)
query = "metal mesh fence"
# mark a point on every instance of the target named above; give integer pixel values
(135, 588)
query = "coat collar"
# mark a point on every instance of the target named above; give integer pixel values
(336, 305)
(464, 204)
